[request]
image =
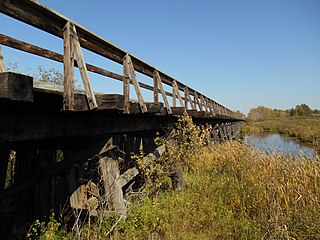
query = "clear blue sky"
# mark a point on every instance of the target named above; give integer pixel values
(240, 53)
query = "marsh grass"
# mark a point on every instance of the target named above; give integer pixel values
(305, 129)
(238, 193)
(235, 193)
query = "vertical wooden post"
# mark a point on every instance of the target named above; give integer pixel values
(202, 102)
(68, 68)
(186, 97)
(155, 89)
(136, 85)
(2, 65)
(84, 72)
(109, 169)
(196, 100)
(4, 159)
(163, 93)
(126, 85)
(174, 96)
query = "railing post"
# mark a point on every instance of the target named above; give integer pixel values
(68, 69)
(174, 96)
(163, 93)
(155, 89)
(136, 85)
(186, 98)
(2, 65)
(126, 85)
(177, 92)
(83, 71)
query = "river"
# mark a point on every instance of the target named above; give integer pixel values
(272, 143)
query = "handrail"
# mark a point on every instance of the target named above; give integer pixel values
(48, 20)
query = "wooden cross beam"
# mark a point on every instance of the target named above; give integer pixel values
(156, 75)
(177, 93)
(83, 71)
(72, 47)
(129, 70)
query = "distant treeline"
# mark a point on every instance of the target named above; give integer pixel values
(262, 113)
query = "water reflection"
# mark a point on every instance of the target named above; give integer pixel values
(272, 143)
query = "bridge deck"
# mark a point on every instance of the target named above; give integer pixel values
(33, 113)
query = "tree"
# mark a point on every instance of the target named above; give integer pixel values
(303, 110)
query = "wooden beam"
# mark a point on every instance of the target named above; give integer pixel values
(163, 93)
(136, 85)
(42, 52)
(196, 100)
(53, 23)
(68, 69)
(176, 90)
(16, 87)
(109, 170)
(2, 65)
(41, 17)
(155, 89)
(186, 97)
(126, 85)
(83, 71)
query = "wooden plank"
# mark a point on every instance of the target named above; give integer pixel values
(16, 87)
(83, 71)
(163, 93)
(154, 107)
(136, 85)
(2, 65)
(68, 69)
(126, 85)
(178, 110)
(127, 176)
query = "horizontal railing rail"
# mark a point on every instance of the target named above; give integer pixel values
(76, 37)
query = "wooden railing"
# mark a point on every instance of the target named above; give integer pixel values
(76, 37)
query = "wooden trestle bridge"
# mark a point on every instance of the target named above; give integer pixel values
(47, 133)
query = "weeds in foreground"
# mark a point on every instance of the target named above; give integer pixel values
(234, 193)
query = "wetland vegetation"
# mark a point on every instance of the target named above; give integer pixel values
(235, 192)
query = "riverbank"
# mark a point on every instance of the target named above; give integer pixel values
(305, 129)
(235, 193)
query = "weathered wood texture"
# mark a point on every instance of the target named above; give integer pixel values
(68, 68)
(16, 87)
(109, 170)
(136, 85)
(35, 14)
(2, 65)
(83, 71)
(157, 78)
